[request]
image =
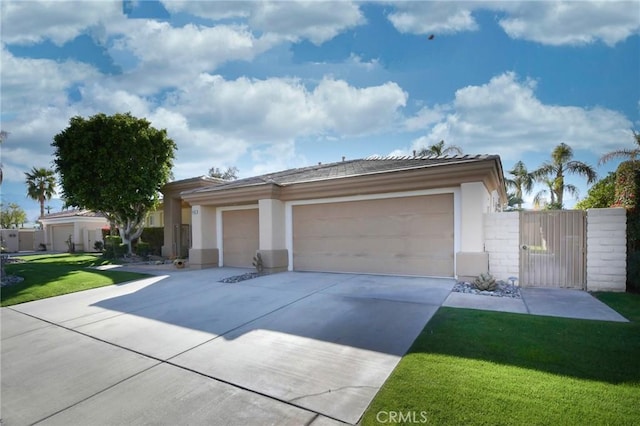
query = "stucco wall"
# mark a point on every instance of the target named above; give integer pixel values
(502, 239)
(606, 249)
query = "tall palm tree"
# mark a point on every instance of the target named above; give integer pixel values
(521, 183)
(624, 153)
(41, 185)
(562, 162)
(439, 149)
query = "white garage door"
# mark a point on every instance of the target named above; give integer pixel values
(409, 236)
(240, 237)
(60, 236)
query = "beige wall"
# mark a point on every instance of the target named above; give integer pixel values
(272, 224)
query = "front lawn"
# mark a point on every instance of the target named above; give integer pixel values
(53, 275)
(478, 367)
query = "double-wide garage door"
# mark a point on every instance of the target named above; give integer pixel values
(408, 236)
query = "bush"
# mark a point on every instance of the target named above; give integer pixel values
(142, 249)
(98, 246)
(155, 238)
(114, 248)
(633, 272)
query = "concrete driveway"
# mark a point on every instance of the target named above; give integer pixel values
(183, 348)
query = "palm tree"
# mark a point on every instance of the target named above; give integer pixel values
(41, 185)
(438, 150)
(554, 170)
(625, 153)
(521, 183)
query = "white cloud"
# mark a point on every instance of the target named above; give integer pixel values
(317, 21)
(573, 22)
(433, 17)
(279, 109)
(505, 117)
(27, 22)
(547, 22)
(426, 117)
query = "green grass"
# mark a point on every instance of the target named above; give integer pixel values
(53, 275)
(478, 367)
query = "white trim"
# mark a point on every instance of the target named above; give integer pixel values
(219, 235)
(288, 213)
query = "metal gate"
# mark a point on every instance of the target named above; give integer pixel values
(182, 240)
(552, 248)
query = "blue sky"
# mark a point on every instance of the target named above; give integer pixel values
(266, 86)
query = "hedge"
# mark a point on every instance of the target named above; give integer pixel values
(627, 196)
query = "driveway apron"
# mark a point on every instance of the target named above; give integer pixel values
(288, 348)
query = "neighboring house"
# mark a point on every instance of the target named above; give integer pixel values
(21, 239)
(84, 227)
(407, 215)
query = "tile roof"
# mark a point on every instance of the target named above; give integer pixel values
(349, 168)
(73, 213)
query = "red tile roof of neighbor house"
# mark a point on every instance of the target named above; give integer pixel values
(73, 213)
(348, 168)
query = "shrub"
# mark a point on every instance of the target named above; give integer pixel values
(155, 238)
(114, 248)
(98, 246)
(142, 249)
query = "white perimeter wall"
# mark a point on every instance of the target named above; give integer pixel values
(502, 242)
(606, 247)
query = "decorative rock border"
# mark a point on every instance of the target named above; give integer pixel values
(503, 290)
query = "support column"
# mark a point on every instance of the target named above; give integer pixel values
(204, 251)
(472, 260)
(172, 217)
(272, 246)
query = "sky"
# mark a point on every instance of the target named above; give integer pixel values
(267, 86)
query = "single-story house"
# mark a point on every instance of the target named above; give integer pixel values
(83, 226)
(382, 215)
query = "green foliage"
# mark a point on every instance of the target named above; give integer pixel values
(439, 149)
(600, 195)
(521, 183)
(98, 246)
(553, 172)
(231, 173)
(155, 238)
(633, 271)
(41, 185)
(628, 184)
(113, 248)
(114, 164)
(142, 249)
(627, 195)
(12, 215)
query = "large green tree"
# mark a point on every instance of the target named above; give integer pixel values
(521, 182)
(601, 195)
(439, 149)
(116, 165)
(41, 185)
(12, 215)
(562, 163)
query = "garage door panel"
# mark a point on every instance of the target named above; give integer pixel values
(240, 237)
(60, 236)
(408, 235)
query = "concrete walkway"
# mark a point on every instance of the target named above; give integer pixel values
(555, 302)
